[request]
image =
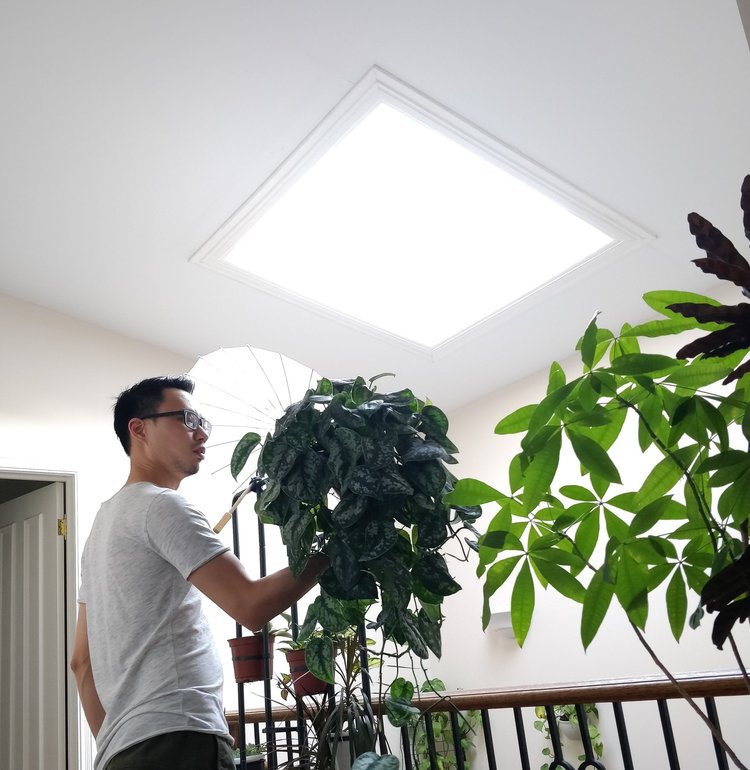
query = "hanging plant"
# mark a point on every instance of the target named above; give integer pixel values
(360, 476)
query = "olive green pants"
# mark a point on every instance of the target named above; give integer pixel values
(185, 750)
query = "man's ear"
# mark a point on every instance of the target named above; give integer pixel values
(137, 430)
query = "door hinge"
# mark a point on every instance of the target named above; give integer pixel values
(62, 528)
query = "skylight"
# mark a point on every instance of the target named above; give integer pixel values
(401, 218)
(411, 232)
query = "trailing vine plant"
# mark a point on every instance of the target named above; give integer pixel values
(684, 522)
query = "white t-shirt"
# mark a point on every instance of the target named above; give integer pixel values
(155, 666)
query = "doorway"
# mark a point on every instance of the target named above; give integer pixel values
(38, 712)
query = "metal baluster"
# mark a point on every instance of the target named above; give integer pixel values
(523, 748)
(588, 749)
(669, 742)
(406, 746)
(558, 760)
(458, 748)
(238, 632)
(622, 733)
(429, 732)
(713, 715)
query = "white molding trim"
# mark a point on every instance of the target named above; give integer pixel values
(378, 87)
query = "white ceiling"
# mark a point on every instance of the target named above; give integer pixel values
(131, 131)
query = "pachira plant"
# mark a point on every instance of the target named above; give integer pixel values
(685, 519)
(592, 538)
(600, 535)
(360, 476)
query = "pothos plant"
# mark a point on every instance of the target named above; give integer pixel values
(683, 522)
(567, 714)
(360, 476)
(438, 741)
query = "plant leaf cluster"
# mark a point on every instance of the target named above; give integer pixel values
(682, 522)
(360, 476)
(402, 712)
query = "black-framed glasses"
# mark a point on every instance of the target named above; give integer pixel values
(192, 419)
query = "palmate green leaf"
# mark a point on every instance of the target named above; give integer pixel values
(705, 371)
(517, 421)
(595, 605)
(541, 472)
(501, 540)
(587, 344)
(644, 363)
(617, 529)
(648, 516)
(497, 574)
(631, 588)
(676, 599)
(593, 458)
(468, 492)
(659, 300)
(665, 474)
(577, 492)
(561, 580)
(606, 434)
(546, 409)
(586, 537)
(734, 500)
(715, 421)
(663, 327)
(556, 377)
(731, 457)
(522, 604)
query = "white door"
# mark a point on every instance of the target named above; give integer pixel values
(32, 631)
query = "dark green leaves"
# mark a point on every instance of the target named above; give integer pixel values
(360, 476)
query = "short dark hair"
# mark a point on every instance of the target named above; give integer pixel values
(142, 398)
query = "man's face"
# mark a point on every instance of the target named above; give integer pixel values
(173, 451)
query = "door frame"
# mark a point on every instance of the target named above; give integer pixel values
(70, 592)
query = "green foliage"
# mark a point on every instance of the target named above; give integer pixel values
(605, 536)
(567, 713)
(361, 476)
(402, 712)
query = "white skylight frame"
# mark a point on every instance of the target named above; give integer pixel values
(379, 87)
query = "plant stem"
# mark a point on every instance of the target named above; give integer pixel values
(704, 512)
(739, 660)
(683, 693)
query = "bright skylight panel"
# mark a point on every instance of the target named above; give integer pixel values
(411, 232)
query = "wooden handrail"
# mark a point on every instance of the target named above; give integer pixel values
(697, 685)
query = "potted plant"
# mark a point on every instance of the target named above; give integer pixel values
(684, 522)
(360, 475)
(302, 680)
(251, 654)
(341, 724)
(568, 725)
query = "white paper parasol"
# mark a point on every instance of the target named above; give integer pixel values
(239, 390)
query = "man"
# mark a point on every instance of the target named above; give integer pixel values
(148, 674)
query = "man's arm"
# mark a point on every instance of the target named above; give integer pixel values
(80, 663)
(253, 603)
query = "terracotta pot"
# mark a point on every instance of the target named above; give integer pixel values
(303, 680)
(247, 657)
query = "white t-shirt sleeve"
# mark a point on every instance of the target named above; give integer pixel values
(180, 533)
